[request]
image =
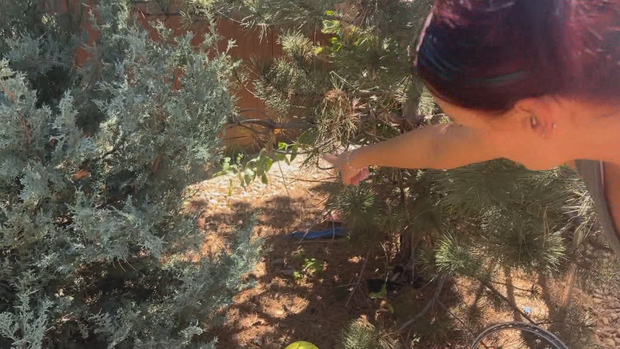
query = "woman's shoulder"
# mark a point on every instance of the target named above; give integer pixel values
(593, 174)
(587, 168)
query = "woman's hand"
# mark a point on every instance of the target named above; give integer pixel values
(350, 174)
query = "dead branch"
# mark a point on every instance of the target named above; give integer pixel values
(359, 279)
(427, 308)
(392, 118)
(269, 125)
(372, 93)
(329, 180)
(256, 110)
(516, 288)
(444, 307)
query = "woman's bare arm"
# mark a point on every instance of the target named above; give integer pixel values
(443, 146)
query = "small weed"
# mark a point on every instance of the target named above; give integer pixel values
(311, 267)
(382, 295)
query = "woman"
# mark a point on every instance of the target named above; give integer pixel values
(534, 81)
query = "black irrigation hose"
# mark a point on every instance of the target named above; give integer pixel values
(524, 327)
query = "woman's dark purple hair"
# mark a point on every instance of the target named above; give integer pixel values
(489, 54)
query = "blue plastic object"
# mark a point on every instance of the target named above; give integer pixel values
(332, 233)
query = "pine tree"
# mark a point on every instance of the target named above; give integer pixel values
(358, 89)
(95, 244)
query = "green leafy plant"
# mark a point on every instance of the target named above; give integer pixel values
(383, 296)
(379, 295)
(298, 276)
(287, 152)
(247, 171)
(311, 267)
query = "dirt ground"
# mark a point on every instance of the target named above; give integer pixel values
(284, 307)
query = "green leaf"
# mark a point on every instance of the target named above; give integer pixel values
(259, 169)
(268, 163)
(379, 295)
(295, 151)
(241, 179)
(226, 168)
(264, 179)
(282, 146)
(375, 295)
(249, 176)
(259, 166)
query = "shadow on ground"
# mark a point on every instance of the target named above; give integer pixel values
(314, 305)
(572, 324)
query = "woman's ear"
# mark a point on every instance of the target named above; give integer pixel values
(540, 114)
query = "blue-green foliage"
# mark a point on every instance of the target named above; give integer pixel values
(94, 242)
